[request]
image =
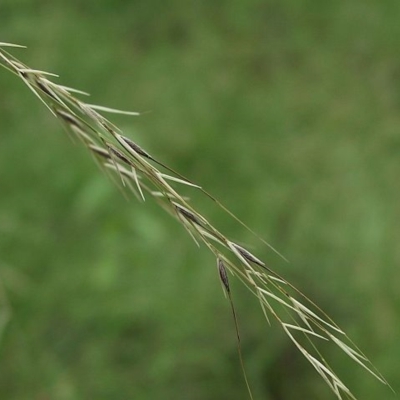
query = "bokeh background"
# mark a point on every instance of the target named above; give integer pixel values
(287, 111)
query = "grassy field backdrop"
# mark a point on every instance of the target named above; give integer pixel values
(288, 112)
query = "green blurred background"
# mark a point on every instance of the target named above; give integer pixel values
(287, 111)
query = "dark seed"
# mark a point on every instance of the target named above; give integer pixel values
(223, 275)
(68, 118)
(119, 155)
(187, 214)
(45, 89)
(248, 256)
(137, 148)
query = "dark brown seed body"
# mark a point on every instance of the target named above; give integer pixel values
(223, 275)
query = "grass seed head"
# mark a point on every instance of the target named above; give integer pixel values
(99, 135)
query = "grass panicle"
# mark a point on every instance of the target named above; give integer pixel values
(134, 170)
